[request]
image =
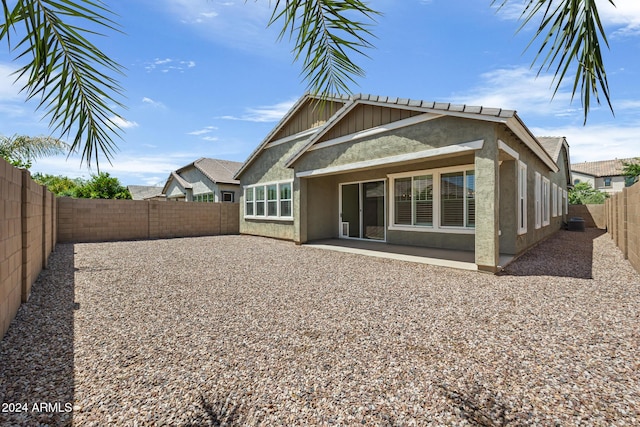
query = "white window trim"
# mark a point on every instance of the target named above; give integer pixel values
(559, 198)
(436, 227)
(546, 208)
(565, 195)
(554, 199)
(538, 199)
(266, 216)
(522, 198)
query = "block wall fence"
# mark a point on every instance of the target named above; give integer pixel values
(28, 233)
(95, 220)
(33, 220)
(622, 211)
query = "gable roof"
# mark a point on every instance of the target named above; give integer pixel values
(297, 106)
(142, 192)
(496, 115)
(603, 167)
(216, 170)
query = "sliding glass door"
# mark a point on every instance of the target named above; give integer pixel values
(362, 210)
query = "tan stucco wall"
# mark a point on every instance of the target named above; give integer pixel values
(270, 168)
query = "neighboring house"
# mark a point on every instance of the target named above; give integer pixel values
(145, 192)
(204, 180)
(605, 175)
(406, 172)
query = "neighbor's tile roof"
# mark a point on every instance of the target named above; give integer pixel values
(602, 168)
(142, 192)
(220, 171)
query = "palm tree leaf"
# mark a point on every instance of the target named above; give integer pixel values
(73, 80)
(571, 35)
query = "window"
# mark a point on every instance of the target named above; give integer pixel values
(227, 196)
(522, 198)
(545, 202)
(538, 195)
(414, 200)
(565, 195)
(260, 201)
(554, 200)
(607, 181)
(272, 200)
(248, 202)
(576, 181)
(433, 199)
(285, 199)
(559, 197)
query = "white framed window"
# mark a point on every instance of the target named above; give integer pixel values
(285, 200)
(249, 205)
(272, 200)
(554, 200)
(434, 200)
(538, 199)
(559, 197)
(546, 208)
(565, 195)
(413, 200)
(522, 197)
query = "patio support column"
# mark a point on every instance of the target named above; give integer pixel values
(487, 197)
(300, 210)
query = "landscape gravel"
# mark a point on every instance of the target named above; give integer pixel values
(241, 330)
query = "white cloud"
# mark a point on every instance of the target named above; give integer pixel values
(239, 23)
(130, 168)
(152, 103)
(519, 89)
(203, 131)
(597, 142)
(269, 113)
(210, 138)
(168, 64)
(122, 123)
(624, 16)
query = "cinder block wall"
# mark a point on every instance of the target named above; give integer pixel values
(623, 222)
(27, 237)
(593, 215)
(88, 220)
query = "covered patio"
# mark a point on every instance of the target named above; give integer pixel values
(463, 260)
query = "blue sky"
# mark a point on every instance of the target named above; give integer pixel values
(206, 78)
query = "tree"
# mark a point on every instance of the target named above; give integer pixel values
(59, 185)
(631, 171)
(21, 150)
(76, 82)
(103, 186)
(100, 186)
(584, 194)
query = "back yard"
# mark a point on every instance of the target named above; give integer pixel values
(240, 330)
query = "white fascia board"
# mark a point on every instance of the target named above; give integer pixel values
(510, 151)
(462, 148)
(518, 128)
(293, 137)
(376, 130)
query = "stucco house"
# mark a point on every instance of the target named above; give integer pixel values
(204, 180)
(406, 172)
(603, 175)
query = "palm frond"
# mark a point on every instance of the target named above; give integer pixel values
(27, 148)
(71, 78)
(327, 33)
(572, 35)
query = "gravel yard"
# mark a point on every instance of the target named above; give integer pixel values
(240, 330)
